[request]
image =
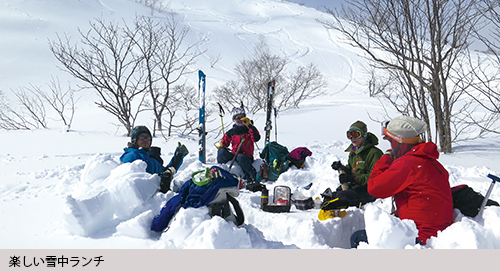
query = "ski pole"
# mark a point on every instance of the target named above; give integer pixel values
(487, 196)
(258, 148)
(221, 113)
(275, 127)
(237, 151)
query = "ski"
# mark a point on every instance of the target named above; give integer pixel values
(201, 127)
(270, 93)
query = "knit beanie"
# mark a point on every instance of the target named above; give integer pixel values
(138, 130)
(406, 127)
(359, 125)
(237, 111)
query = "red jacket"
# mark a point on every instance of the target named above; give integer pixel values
(419, 184)
(234, 135)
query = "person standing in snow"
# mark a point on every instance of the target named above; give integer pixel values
(139, 148)
(242, 133)
(363, 154)
(411, 174)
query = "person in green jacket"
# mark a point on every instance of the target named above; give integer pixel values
(353, 177)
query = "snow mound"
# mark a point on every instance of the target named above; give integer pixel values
(102, 202)
(387, 231)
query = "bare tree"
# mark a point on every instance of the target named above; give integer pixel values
(214, 60)
(63, 102)
(166, 59)
(107, 63)
(487, 73)
(250, 88)
(182, 105)
(414, 48)
(11, 119)
(31, 113)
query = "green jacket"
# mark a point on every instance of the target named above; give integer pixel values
(362, 160)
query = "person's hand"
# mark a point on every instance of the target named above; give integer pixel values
(182, 149)
(166, 175)
(219, 145)
(245, 121)
(337, 165)
(390, 153)
(346, 178)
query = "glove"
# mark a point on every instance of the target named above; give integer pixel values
(166, 178)
(346, 181)
(346, 178)
(390, 153)
(219, 145)
(181, 150)
(337, 165)
(245, 121)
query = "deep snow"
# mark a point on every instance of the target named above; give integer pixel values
(69, 190)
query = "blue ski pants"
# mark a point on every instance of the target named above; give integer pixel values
(224, 156)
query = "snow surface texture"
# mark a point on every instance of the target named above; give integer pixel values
(68, 189)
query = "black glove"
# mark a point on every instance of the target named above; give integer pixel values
(337, 165)
(346, 178)
(167, 175)
(166, 179)
(154, 152)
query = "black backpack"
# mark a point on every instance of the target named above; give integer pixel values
(468, 201)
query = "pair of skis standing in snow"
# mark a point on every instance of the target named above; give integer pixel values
(241, 137)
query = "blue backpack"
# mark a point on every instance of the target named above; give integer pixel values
(276, 161)
(214, 187)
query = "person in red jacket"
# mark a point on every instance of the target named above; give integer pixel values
(243, 128)
(411, 174)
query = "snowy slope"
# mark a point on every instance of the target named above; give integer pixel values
(68, 189)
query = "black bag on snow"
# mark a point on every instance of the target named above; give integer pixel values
(282, 200)
(468, 201)
(303, 204)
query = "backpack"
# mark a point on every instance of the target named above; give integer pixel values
(276, 160)
(222, 203)
(213, 187)
(468, 201)
(298, 156)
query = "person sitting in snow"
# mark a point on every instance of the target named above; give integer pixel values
(242, 133)
(411, 174)
(139, 148)
(353, 177)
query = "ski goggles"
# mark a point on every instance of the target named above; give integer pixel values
(387, 135)
(239, 116)
(142, 137)
(354, 133)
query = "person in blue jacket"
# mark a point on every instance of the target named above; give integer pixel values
(139, 148)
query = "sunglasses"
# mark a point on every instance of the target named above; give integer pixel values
(355, 134)
(142, 137)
